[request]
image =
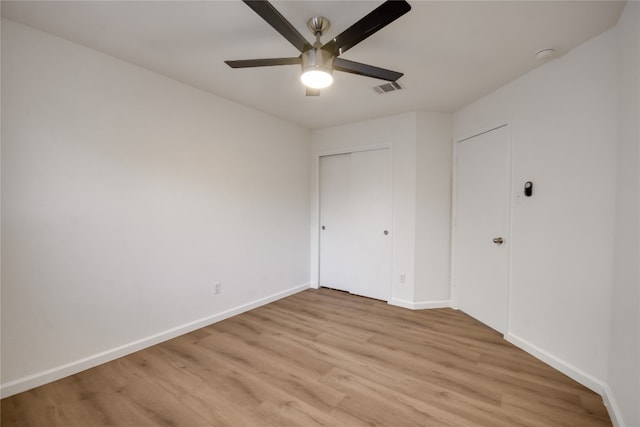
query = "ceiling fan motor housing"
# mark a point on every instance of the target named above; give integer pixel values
(317, 59)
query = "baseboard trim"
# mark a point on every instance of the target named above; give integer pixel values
(419, 305)
(31, 381)
(574, 373)
(612, 407)
(568, 369)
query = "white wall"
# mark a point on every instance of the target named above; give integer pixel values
(125, 197)
(624, 350)
(433, 208)
(563, 122)
(417, 227)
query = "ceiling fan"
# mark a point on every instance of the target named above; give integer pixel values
(318, 61)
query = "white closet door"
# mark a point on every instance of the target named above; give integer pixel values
(481, 251)
(335, 222)
(355, 221)
(371, 216)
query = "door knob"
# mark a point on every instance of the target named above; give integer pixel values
(498, 240)
(323, 227)
(386, 232)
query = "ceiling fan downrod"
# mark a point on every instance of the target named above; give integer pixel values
(318, 25)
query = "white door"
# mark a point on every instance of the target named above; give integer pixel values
(371, 219)
(481, 246)
(335, 214)
(355, 220)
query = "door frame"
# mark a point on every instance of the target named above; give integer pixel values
(509, 198)
(315, 209)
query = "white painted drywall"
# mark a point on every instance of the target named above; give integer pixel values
(624, 348)
(126, 196)
(403, 133)
(433, 207)
(563, 121)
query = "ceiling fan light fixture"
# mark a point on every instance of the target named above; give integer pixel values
(316, 79)
(317, 68)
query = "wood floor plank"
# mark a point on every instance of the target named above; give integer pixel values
(319, 358)
(278, 370)
(366, 394)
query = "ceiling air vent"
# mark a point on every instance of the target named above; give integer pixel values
(387, 87)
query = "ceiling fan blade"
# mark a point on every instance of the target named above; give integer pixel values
(279, 23)
(379, 18)
(312, 92)
(352, 67)
(247, 63)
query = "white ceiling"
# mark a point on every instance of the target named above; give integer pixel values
(451, 52)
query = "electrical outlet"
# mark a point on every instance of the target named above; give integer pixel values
(217, 288)
(403, 278)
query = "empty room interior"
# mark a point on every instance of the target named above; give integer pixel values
(442, 230)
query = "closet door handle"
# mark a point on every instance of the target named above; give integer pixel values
(385, 232)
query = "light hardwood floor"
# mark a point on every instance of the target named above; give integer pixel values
(319, 358)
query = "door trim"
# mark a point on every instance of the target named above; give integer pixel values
(315, 199)
(462, 139)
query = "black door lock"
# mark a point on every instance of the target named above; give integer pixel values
(528, 188)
